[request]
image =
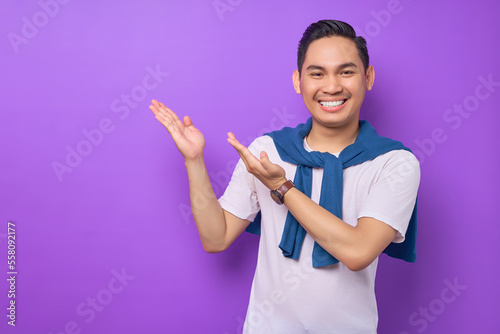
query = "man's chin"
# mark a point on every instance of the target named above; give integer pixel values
(336, 120)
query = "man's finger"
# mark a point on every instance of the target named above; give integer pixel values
(165, 116)
(157, 111)
(169, 124)
(153, 109)
(165, 121)
(188, 122)
(251, 161)
(234, 143)
(172, 114)
(270, 168)
(237, 146)
(164, 109)
(157, 108)
(265, 162)
(242, 150)
(156, 104)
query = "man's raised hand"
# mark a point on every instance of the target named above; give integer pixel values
(271, 175)
(188, 139)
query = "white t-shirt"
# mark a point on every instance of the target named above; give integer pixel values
(290, 296)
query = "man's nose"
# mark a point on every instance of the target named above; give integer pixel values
(332, 85)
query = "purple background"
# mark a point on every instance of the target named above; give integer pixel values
(122, 207)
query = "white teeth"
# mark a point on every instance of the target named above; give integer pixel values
(331, 104)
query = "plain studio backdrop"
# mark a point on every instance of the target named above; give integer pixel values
(97, 191)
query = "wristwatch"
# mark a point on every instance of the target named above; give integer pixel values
(277, 195)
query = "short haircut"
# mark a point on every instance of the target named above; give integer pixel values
(329, 28)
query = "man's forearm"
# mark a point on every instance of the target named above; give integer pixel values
(330, 232)
(355, 246)
(207, 212)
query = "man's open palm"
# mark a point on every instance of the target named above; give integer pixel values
(188, 139)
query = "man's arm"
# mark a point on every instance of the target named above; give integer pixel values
(355, 246)
(217, 228)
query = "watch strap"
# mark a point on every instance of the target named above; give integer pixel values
(281, 191)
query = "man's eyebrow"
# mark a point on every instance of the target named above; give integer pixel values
(346, 65)
(315, 67)
(339, 68)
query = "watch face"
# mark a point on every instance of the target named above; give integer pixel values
(276, 196)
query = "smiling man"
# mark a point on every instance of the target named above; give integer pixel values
(327, 197)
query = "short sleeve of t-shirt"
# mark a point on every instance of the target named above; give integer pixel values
(392, 195)
(240, 196)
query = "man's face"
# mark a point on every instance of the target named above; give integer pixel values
(333, 82)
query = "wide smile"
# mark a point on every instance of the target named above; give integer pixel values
(332, 105)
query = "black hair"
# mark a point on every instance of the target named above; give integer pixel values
(328, 28)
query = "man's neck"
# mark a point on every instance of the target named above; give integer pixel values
(332, 140)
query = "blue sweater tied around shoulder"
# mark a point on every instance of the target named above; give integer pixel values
(368, 145)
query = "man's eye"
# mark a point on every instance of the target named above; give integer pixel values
(316, 74)
(347, 72)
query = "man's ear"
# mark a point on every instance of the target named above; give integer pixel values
(296, 81)
(370, 77)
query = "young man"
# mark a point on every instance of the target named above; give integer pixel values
(354, 196)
